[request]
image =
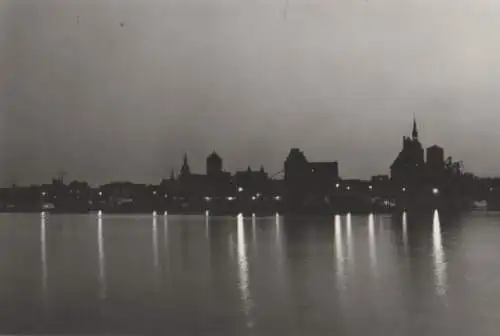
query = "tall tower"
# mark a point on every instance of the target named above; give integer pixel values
(414, 133)
(185, 167)
(214, 164)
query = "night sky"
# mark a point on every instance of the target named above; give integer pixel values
(119, 90)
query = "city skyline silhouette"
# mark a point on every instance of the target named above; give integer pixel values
(110, 90)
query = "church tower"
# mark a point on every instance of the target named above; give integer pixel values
(185, 170)
(414, 133)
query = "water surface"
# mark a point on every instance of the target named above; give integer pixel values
(197, 275)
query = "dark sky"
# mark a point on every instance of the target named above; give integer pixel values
(113, 90)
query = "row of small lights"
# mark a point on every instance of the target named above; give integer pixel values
(232, 198)
(240, 189)
(155, 214)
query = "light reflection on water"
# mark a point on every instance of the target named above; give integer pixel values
(300, 274)
(439, 256)
(372, 243)
(244, 283)
(350, 242)
(102, 266)
(43, 246)
(156, 260)
(405, 231)
(339, 255)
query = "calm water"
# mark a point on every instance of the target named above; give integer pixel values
(191, 275)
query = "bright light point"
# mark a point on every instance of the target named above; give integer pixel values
(230, 198)
(100, 193)
(240, 189)
(404, 189)
(254, 198)
(253, 215)
(277, 214)
(154, 213)
(370, 187)
(337, 185)
(154, 192)
(99, 213)
(207, 198)
(44, 193)
(435, 191)
(277, 198)
(165, 213)
(207, 213)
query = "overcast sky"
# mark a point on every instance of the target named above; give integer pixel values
(113, 90)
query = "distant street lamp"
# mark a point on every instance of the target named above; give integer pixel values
(337, 185)
(370, 187)
(403, 189)
(240, 189)
(435, 191)
(254, 198)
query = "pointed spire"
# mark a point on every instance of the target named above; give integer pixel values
(172, 174)
(262, 168)
(185, 166)
(414, 133)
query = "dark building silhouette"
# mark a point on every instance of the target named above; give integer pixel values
(322, 172)
(435, 158)
(296, 166)
(214, 164)
(185, 170)
(251, 181)
(308, 182)
(409, 166)
(380, 179)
